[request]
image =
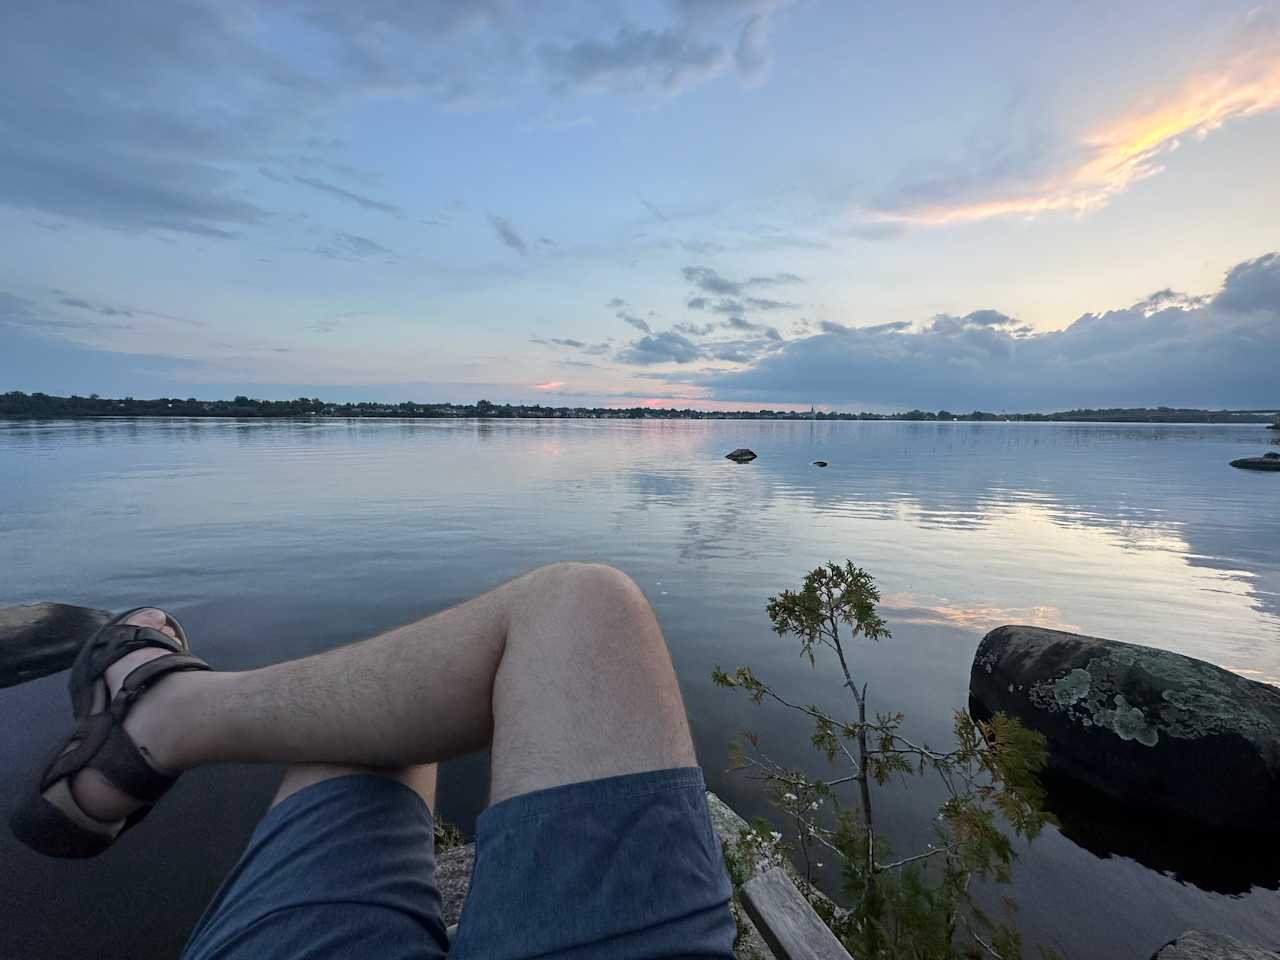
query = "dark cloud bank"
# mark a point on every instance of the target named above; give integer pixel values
(1217, 351)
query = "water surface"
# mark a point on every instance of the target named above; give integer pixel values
(272, 539)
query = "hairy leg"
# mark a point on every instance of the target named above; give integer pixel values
(564, 671)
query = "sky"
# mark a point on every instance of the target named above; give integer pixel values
(710, 203)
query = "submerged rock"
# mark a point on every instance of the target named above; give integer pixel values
(1268, 461)
(1195, 945)
(43, 638)
(1153, 730)
(821, 463)
(741, 455)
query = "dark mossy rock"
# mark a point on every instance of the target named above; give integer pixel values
(43, 638)
(821, 463)
(1269, 461)
(741, 455)
(1197, 945)
(1152, 730)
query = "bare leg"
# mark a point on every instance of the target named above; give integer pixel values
(563, 670)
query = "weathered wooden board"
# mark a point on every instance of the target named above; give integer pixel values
(786, 921)
(43, 638)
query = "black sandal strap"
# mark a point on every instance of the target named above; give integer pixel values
(128, 770)
(120, 639)
(89, 736)
(141, 678)
(102, 744)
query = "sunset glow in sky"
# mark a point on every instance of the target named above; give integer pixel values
(714, 203)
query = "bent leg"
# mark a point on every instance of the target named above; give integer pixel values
(585, 688)
(564, 670)
(598, 828)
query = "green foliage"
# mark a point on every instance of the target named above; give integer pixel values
(830, 596)
(756, 848)
(447, 836)
(917, 906)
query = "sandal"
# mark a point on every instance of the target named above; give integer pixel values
(99, 741)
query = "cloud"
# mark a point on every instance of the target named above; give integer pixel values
(638, 322)
(507, 234)
(709, 281)
(144, 116)
(21, 313)
(763, 303)
(1252, 286)
(350, 247)
(105, 311)
(617, 303)
(1186, 351)
(665, 347)
(549, 385)
(753, 55)
(634, 59)
(1110, 158)
(705, 278)
(740, 323)
(594, 349)
(653, 209)
(360, 246)
(350, 196)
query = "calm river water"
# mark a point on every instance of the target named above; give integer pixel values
(277, 538)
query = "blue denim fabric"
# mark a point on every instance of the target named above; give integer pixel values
(625, 867)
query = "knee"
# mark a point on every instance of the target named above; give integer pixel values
(585, 593)
(591, 582)
(579, 573)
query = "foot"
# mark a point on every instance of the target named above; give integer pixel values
(102, 806)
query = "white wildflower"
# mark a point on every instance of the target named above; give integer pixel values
(789, 798)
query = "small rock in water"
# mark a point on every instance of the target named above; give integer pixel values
(821, 463)
(741, 455)
(1270, 461)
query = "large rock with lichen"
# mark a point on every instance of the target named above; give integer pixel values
(1151, 729)
(1196, 945)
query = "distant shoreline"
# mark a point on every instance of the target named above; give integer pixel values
(41, 406)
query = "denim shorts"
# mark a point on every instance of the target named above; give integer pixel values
(623, 867)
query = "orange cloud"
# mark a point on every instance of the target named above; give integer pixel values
(1119, 154)
(549, 385)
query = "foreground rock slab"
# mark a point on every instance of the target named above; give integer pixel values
(1194, 945)
(1156, 731)
(741, 455)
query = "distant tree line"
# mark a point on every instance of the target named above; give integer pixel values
(35, 405)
